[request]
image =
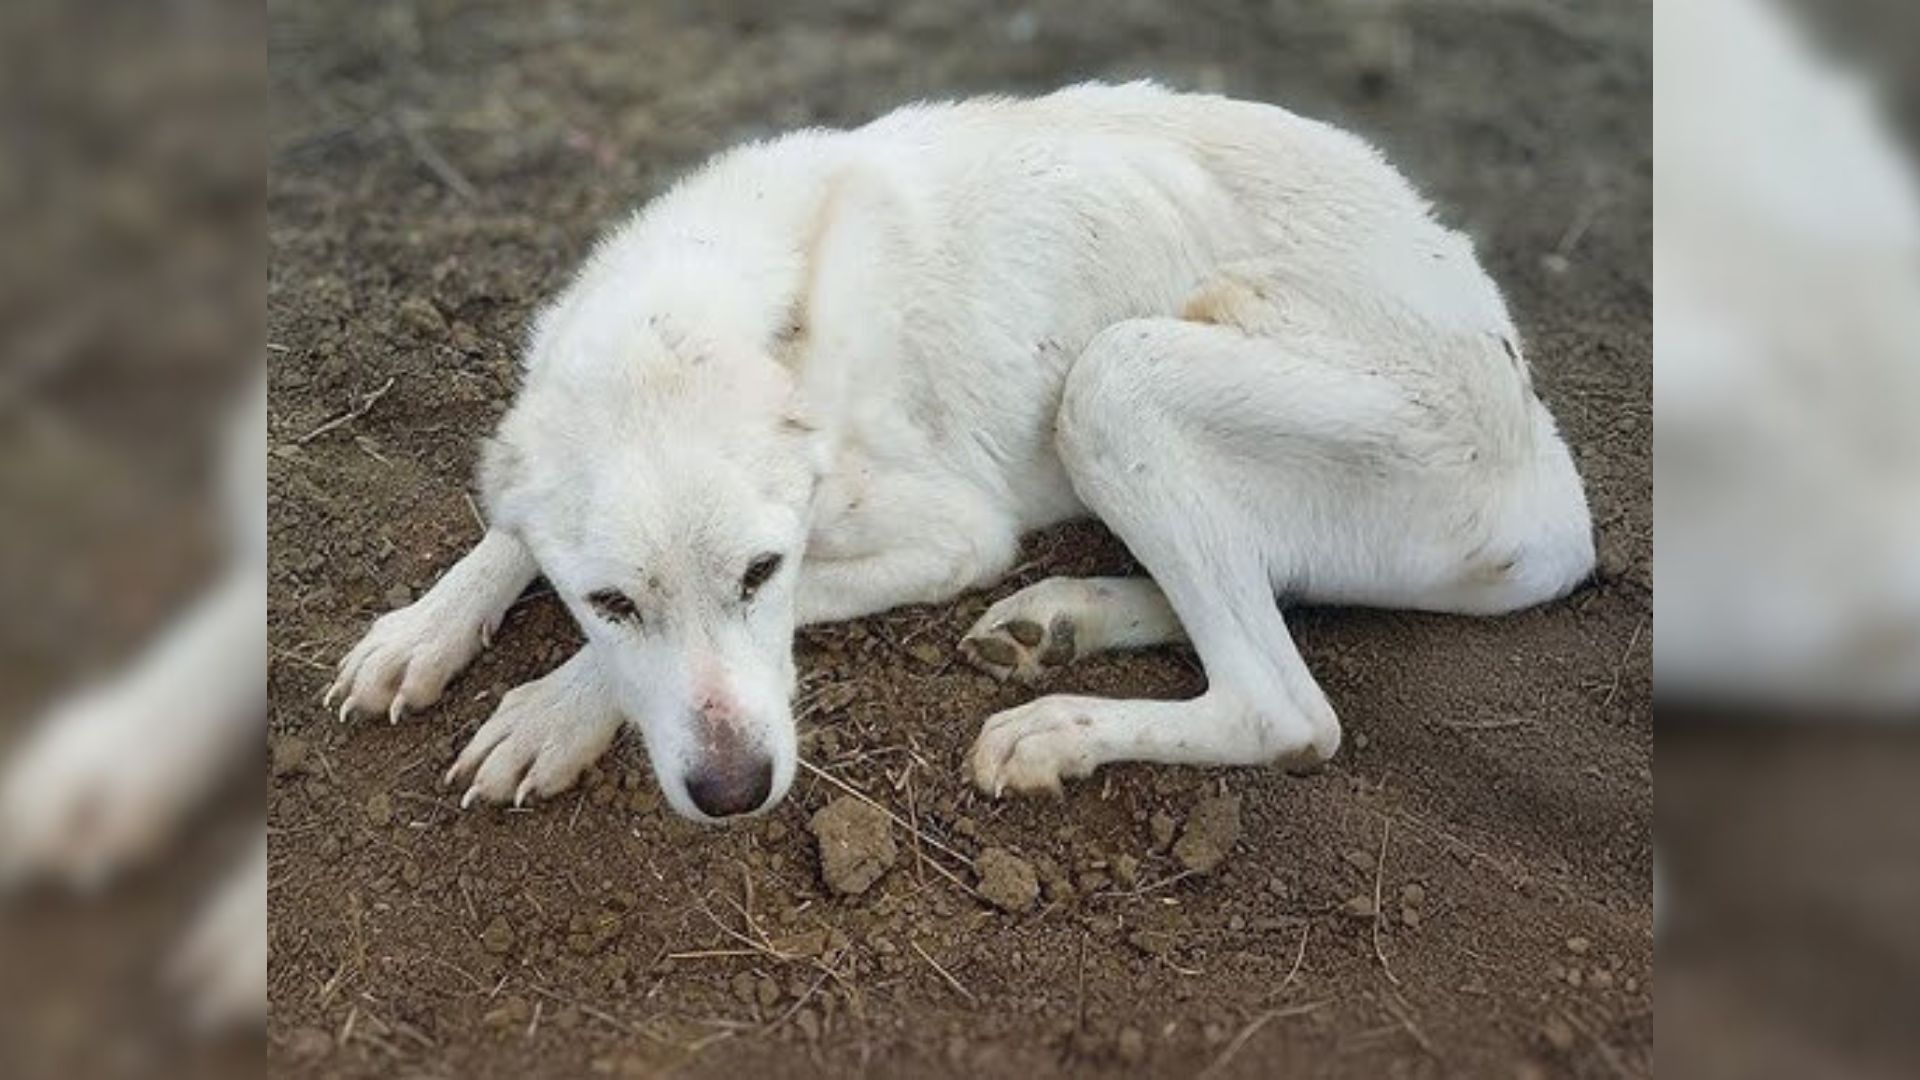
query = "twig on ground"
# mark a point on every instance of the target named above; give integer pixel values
(944, 973)
(436, 163)
(1379, 877)
(895, 818)
(1620, 669)
(366, 405)
(1253, 1029)
(1299, 956)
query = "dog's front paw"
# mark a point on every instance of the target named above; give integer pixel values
(222, 966)
(1032, 748)
(1027, 634)
(408, 658)
(96, 789)
(537, 743)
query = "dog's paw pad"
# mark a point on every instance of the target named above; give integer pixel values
(1020, 648)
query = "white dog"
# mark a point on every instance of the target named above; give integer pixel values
(839, 372)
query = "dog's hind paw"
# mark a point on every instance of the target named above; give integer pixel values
(1027, 634)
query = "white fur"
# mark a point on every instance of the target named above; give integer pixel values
(1235, 335)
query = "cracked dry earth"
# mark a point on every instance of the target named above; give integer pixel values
(1464, 891)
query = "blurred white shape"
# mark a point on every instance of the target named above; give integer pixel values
(106, 779)
(1787, 376)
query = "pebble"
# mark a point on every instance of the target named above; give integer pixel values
(1132, 1046)
(1163, 826)
(497, 938)
(511, 1014)
(398, 595)
(1360, 907)
(1558, 1033)
(380, 810)
(1579, 946)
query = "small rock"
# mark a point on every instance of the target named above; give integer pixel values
(380, 810)
(1414, 896)
(511, 1014)
(497, 938)
(289, 754)
(1558, 1033)
(926, 652)
(1360, 907)
(809, 1023)
(1211, 831)
(1601, 979)
(856, 844)
(1360, 860)
(398, 595)
(1006, 880)
(1579, 946)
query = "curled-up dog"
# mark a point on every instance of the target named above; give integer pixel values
(844, 371)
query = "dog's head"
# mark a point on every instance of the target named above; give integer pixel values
(665, 499)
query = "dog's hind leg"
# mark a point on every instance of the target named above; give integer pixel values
(1052, 623)
(409, 656)
(1234, 467)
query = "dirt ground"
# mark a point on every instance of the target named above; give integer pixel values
(435, 172)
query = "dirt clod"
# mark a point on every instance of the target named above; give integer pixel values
(856, 845)
(289, 755)
(1211, 831)
(1007, 880)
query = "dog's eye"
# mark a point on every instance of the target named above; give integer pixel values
(614, 606)
(758, 572)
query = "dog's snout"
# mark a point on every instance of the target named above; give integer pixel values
(732, 786)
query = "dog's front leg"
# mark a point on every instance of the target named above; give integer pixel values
(542, 737)
(407, 659)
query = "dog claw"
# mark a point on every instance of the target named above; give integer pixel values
(395, 710)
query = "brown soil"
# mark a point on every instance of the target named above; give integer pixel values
(1464, 891)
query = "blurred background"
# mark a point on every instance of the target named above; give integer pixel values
(1787, 503)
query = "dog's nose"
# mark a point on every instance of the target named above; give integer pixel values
(732, 787)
